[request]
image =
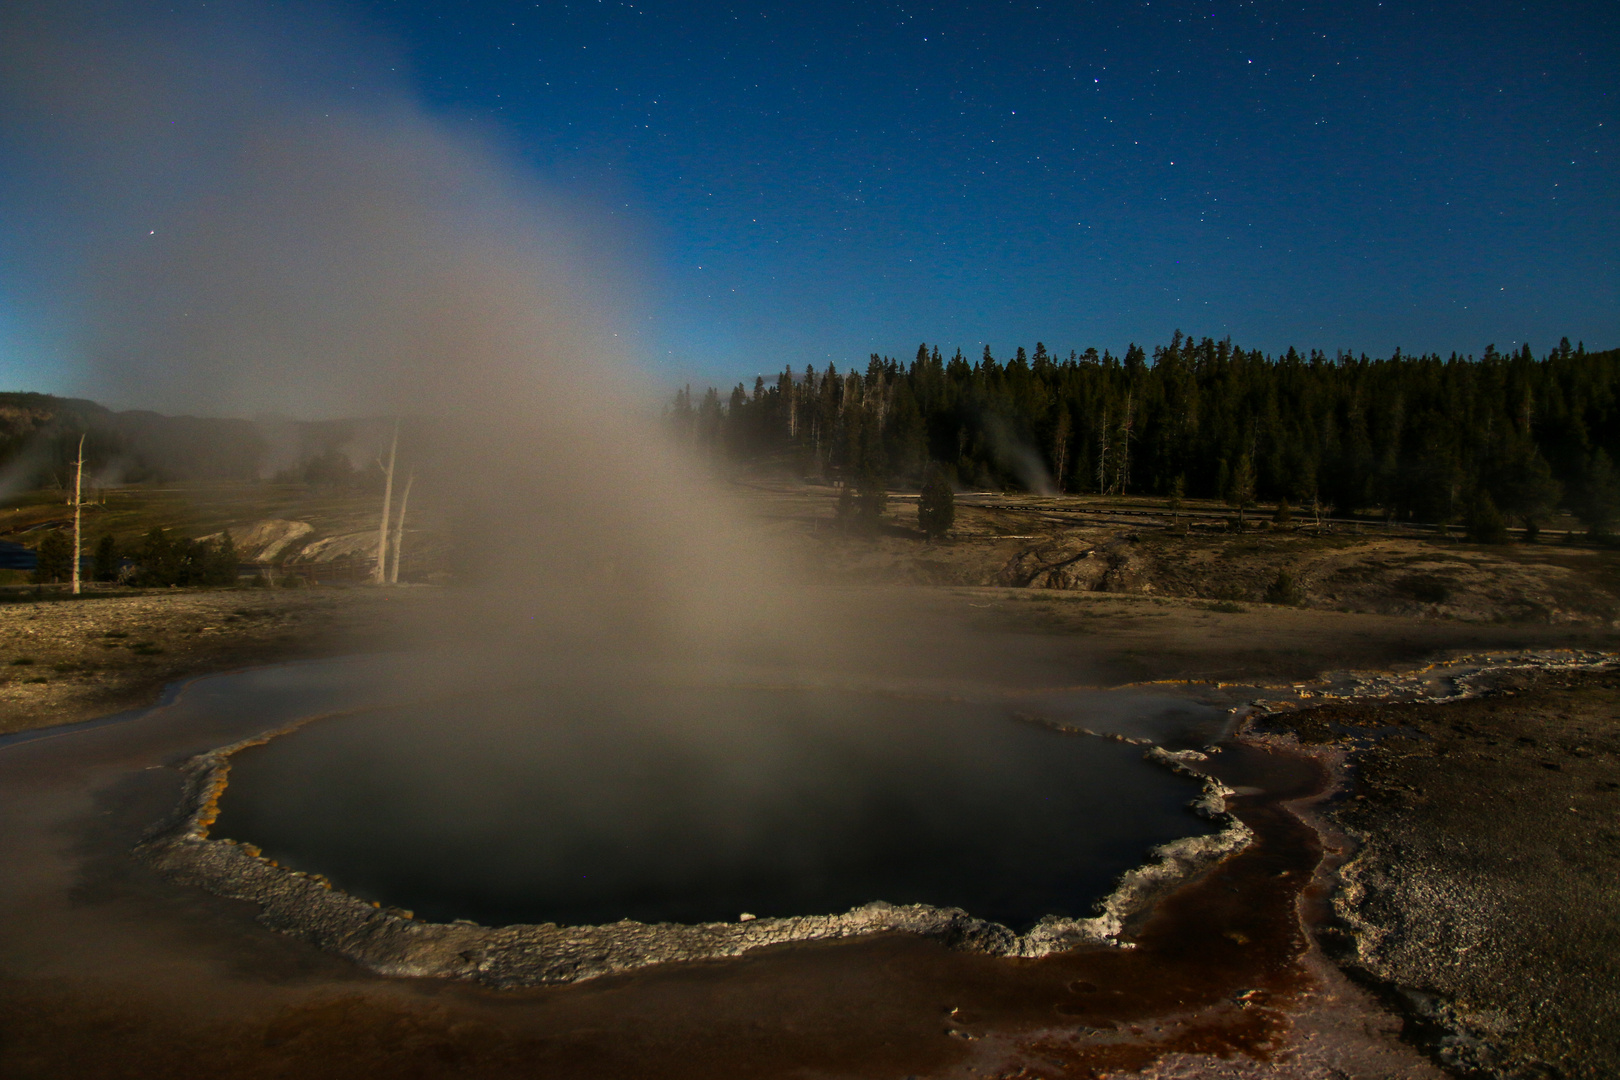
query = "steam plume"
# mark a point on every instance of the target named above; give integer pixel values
(264, 227)
(327, 252)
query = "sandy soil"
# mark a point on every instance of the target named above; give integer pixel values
(66, 659)
(1484, 896)
(1134, 547)
(1136, 638)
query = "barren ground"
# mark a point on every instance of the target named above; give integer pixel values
(66, 659)
(1484, 897)
(1481, 904)
(1138, 548)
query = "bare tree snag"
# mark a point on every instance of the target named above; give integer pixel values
(1124, 456)
(1102, 455)
(379, 576)
(78, 513)
(399, 528)
(1060, 447)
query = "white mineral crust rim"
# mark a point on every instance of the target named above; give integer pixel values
(390, 941)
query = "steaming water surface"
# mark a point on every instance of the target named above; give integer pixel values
(580, 803)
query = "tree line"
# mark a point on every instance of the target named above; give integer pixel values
(157, 560)
(1416, 437)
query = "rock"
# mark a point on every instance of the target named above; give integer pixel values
(355, 545)
(269, 538)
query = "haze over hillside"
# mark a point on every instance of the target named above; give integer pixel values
(39, 437)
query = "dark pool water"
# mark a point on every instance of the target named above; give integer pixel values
(579, 804)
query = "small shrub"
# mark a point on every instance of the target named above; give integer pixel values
(1485, 522)
(846, 504)
(1226, 607)
(23, 661)
(1284, 590)
(1425, 588)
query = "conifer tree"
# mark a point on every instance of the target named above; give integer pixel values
(1060, 448)
(1243, 486)
(846, 505)
(1409, 435)
(936, 509)
(219, 562)
(105, 565)
(1485, 523)
(54, 559)
(1597, 505)
(871, 500)
(1526, 488)
(158, 560)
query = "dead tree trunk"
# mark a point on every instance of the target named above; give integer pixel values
(78, 513)
(399, 528)
(1124, 455)
(1060, 447)
(1102, 455)
(379, 576)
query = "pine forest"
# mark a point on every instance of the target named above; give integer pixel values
(1417, 437)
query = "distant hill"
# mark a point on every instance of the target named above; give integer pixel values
(39, 436)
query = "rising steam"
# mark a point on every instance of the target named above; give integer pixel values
(260, 233)
(264, 220)
(320, 245)
(257, 228)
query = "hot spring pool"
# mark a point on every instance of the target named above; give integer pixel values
(579, 804)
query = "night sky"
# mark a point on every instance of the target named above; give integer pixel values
(805, 183)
